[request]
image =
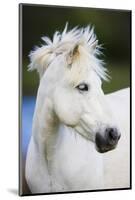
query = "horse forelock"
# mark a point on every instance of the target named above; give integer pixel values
(64, 43)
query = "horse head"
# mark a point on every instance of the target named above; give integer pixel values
(71, 75)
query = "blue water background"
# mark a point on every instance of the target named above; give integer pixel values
(28, 106)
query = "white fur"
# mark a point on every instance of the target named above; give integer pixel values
(62, 154)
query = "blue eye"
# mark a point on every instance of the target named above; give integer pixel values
(83, 87)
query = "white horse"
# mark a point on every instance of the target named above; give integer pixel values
(74, 123)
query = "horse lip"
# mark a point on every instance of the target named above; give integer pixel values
(105, 149)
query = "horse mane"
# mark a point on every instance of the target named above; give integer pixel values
(77, 40)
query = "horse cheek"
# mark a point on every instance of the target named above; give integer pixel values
(67, 110)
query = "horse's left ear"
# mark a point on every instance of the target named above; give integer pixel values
(72, 55)
(93, 46)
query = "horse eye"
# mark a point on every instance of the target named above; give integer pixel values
(83, 87)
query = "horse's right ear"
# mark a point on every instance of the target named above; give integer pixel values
(40, 58)
(72, 55)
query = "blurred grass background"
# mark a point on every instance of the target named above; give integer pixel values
(112, 28)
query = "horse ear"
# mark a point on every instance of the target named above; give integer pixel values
(93, 46)
(72, 55)
(40, 59)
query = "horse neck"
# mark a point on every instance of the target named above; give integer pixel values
(50, 135)
(45, 126)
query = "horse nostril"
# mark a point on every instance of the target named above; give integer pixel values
(112, 135)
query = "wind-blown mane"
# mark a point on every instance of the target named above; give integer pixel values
(78, 43)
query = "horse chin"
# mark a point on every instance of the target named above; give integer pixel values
(105, 149)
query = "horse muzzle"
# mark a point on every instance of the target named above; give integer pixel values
(107, 141)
